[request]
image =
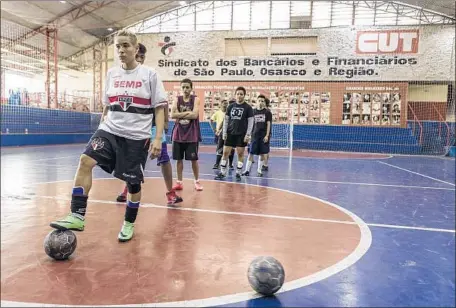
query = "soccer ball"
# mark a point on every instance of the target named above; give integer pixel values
(266, 275)
(59, 244)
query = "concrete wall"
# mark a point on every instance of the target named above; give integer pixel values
(433, 59)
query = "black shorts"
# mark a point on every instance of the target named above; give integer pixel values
(259, 147)
(122, 157)
(220, 145)
(189, 150)
(235, 141)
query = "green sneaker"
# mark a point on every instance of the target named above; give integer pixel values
(127, 231)
(71, 222)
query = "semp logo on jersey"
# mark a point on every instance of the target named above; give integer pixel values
(236, 113)
(125, 102)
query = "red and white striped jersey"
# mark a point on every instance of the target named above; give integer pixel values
(131, 96)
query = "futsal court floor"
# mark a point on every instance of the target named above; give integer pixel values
(350, 230)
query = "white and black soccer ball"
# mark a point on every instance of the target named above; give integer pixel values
(59, 244)
(266, 275)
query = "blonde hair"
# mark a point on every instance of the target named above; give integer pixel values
(130, 34)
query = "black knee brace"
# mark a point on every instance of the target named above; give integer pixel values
(133, 188)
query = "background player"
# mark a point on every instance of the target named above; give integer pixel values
(186, 133)
(163, 159)
(260, 137)
(266, 159)
(237, 131)
(219, 117)
(121, 143)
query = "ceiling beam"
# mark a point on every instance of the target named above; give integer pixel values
(60, 21)
(109, 39)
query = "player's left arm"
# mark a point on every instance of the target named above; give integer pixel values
(268, 126)
(159, 101)
(250, 122)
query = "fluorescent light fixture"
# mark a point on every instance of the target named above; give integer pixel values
(110, 29)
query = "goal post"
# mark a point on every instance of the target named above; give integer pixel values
(282, 129)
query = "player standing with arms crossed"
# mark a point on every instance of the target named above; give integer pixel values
(186, 133)
(163, 159)
(237, 131)
(121, 143)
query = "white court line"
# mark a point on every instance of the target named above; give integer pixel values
(411, 228)
(328, 182)
(345, 222)
(360, 250)
(281, 179)
(286, 179)
(429, 177)
(52, 158)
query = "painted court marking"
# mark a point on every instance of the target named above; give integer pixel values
(362, 247)
(319, 181)
(287, 179)
(426, 176)
(152, 205)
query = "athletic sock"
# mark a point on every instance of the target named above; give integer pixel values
(260, 165)
(239, 167)
(223, 166)
(248, 166)
(78, 202)
(131, 211)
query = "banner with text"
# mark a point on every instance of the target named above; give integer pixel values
(343, 54)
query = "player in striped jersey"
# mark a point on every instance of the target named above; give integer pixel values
(163, 159)
(134, 94)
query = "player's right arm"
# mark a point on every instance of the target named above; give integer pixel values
(175, 114)
(166, 118)
(225, 122)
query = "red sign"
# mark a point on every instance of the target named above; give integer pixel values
(387, 42)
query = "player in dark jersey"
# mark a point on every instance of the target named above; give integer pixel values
(122, 142)
(266, 160)
(237, 131)
(163, 159)
(260, 137)
(186, 133)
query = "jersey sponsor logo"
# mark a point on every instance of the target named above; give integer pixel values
(127, 84)
(125, 102)
(236, 113)
(260, 118)
(97, 143)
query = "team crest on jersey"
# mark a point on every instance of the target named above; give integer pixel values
(125, 102)
(97, 143)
